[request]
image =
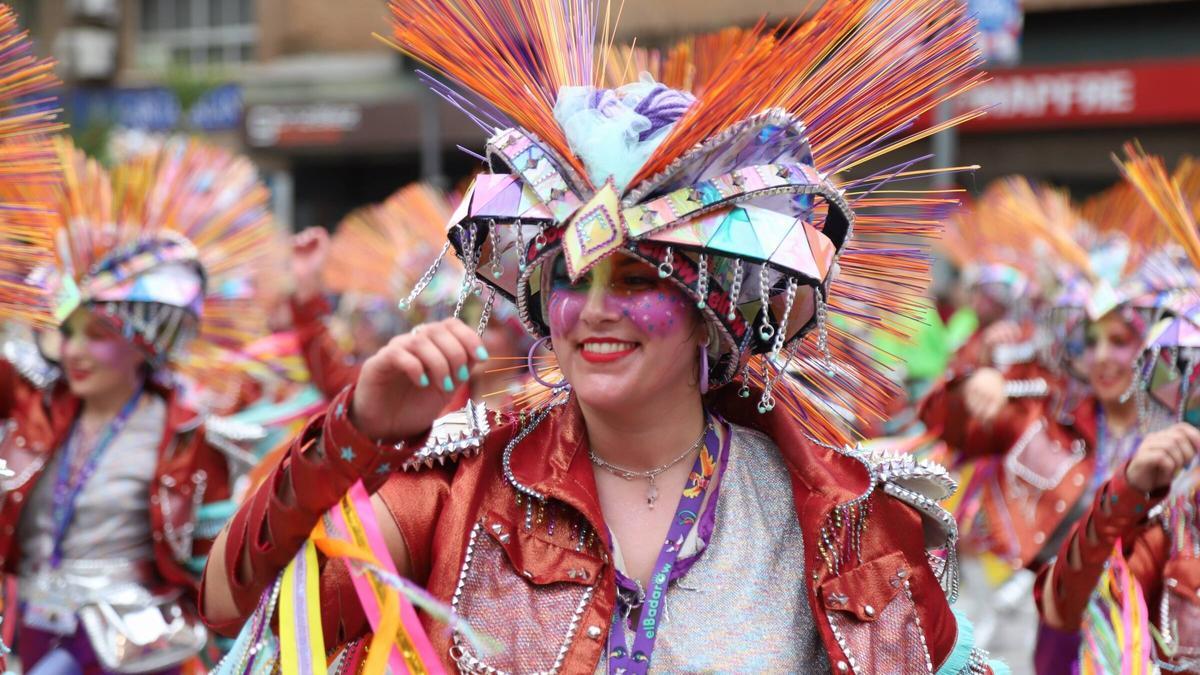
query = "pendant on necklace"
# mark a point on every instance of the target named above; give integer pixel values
(651, 494)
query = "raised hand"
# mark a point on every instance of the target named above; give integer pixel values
(310, 250)
(983, 394)
(404, 387)
(1161, 456)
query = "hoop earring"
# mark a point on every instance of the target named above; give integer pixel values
(703, 369)
(533, 368)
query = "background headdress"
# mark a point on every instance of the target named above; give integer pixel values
(736, 194)
(1166, 286)
(28, 168)
(168, 244)
(380, 251)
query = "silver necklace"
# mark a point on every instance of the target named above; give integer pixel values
(629, 474)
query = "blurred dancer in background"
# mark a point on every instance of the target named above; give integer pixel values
(112, 471)
(1133, 560)
(1044, 434)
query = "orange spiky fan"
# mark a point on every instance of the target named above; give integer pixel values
(380, 250)
(689, 64)
(739, 191)
(1022, 214)
(1162, 193)
(168, 245)
(28, 168)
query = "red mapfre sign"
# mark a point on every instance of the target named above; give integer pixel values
(1092, 95)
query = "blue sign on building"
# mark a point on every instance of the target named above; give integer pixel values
(154, 108)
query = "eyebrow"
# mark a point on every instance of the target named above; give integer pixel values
(625, 261)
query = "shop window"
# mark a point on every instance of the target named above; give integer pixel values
(196, 33)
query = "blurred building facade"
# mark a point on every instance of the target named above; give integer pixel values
(336, 118)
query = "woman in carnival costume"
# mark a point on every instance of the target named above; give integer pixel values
(1000, 244)
(673, 250)
(112, 472)
(1133, 561)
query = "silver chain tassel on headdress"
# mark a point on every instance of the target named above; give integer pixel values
(667, 267)
(735, 290)
(765, 331)
(823, 333)
(486, 314)
(470, 263)
(767, 402)
(425, 279)
(1189, 369)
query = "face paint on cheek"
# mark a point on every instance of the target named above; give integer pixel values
(660, 312)
(565, 309)
(109, 352)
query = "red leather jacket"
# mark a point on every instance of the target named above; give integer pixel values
(1118, 513)
(870, 581)
(190, 471)
(330, 367)
(1034, 462)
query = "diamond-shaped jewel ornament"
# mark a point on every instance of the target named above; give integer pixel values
(595, 231)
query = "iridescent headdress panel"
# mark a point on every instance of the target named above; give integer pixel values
(734, 191)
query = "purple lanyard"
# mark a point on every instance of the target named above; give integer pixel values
(1105, 456)
(67, 487)
(622, 659)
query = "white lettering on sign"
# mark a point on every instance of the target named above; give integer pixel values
(1050, 95)
(267, 124)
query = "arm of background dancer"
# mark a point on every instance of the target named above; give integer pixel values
(276, 519)
(1065, 585)
(327, 363)
(944, 411)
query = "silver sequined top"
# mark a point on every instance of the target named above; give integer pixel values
(743, 606)
(112, 514)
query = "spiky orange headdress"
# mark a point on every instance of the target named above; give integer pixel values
(743, 200)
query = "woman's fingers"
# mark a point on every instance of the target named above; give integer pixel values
(433, 362)
(407, 363)
(455, 354)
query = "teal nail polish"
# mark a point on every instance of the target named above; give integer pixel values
(463, 373)
(482, 354)
(424, 382)
(448, 384)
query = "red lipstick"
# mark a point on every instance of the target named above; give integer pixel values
(605, 350)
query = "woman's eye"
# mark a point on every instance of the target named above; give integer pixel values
(638, 281)
(564, 283)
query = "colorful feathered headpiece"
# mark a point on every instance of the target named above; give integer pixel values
(28, 168)
(736, 191)
(167, 245)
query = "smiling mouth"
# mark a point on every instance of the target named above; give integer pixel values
(78, 373)
(605, 351)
